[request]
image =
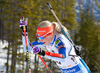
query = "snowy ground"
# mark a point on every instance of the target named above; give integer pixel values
(3, 56)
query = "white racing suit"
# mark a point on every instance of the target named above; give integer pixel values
(61, 45)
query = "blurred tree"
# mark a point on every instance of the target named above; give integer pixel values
(97, 3)
(2, 12)
(88, 39)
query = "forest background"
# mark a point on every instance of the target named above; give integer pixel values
(85, 32)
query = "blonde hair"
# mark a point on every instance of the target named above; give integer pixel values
(57, 27)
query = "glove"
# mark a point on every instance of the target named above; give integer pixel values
(35, 49)
(23, 23)
(38, 50)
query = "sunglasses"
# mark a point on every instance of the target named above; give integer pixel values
(43, 37)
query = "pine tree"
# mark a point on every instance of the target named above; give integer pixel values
(88, 39)
(97, 3)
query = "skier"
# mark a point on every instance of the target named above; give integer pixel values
(59, 47)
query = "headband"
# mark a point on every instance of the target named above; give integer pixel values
(45, 31)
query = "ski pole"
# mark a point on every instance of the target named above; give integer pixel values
(66, 34)
(44, 63)
(26, 47)
(28, 53)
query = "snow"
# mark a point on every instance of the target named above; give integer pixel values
(3, 56)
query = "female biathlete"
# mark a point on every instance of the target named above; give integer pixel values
(59, 47)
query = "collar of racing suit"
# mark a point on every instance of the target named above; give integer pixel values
(52, 42)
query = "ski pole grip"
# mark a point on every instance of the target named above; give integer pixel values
(23, 17)
(49, 5)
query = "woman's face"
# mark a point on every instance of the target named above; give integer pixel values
(47, 40)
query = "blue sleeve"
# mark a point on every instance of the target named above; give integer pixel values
(38, 43)
(61, 47)
(28, 44)
(63, 51)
